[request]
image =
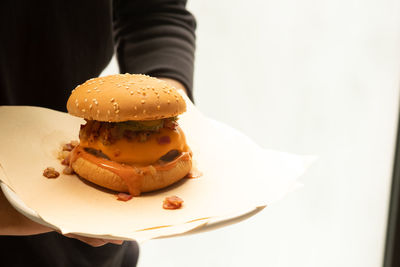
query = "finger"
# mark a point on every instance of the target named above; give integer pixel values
(116, 242)
(98, 241)
(94, 242)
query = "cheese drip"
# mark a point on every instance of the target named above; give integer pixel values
(142, 153)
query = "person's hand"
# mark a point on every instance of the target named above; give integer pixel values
(14, 223)
(94, 242)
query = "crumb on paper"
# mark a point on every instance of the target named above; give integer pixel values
(69, 146)
(50, 172)
(172, 203)
(66, 160)
(194, 173)
(124, 197)
(64, 155)
(68, 170)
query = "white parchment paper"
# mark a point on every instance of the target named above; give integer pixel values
(237, 175)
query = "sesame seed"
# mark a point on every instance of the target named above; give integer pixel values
(158, 107)
(76, 100)
(90, 106)
(88, 90)
(117, 111)
(131, 92)
(112, 99)
(142, 101)
(135, 116)
(144, 111)
(98, 112)
(83, 110)
(143, 93)
(168, 102)
(108, 112)
(77, 105)
(85, 100)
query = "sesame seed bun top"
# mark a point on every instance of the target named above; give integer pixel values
(123, 97)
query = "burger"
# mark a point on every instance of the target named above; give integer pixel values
(131, 141)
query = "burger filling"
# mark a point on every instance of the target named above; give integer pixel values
(134, 142)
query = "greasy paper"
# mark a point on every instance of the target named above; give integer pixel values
(237, 175)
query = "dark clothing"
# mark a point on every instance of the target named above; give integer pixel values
(53, 249)
(48, 47)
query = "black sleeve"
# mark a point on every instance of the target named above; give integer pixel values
(155, 37)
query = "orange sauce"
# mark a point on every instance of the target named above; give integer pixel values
(132, 175)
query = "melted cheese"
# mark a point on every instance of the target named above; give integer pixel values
(143, 153)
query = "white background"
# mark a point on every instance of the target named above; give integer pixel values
(309, 77)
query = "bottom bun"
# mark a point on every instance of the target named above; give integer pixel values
(152, 178)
